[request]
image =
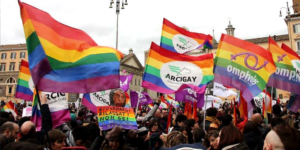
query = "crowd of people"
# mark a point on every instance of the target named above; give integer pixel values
(217, 133)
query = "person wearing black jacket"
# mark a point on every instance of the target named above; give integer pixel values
(28, 129)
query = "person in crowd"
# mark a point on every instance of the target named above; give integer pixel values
(257, 119)
(211, 118)
(211, 140)
(198, 135)
(230, 138)
(175, 138)
(282, 137)
(80, 118)
(134, 140)
(294, 117)
(164, 119)
(8, 133)
(284, 111)
(22, 146)
(276, 111)
(117, 98)
(288, 120)
(226, 120)
(56, 139)
(93, 131)
(153, 137)
(151, 112)
(252, 135)
(77, 137)
(28, 129)
(187, 131)
(114, 140)
(179, 122)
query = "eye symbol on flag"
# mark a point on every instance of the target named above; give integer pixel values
(179, 71)
(233, 57)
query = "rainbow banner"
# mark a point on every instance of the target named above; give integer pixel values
(10, 107)
(171, 101)
(180, 40)
(293, 56)
(243, 65)
(36, 116)
(23, 88)
(285, 77)
(62, 57)
(110, 116)
(167, 72)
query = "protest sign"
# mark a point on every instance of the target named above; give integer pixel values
(27, 112)
(212, 99)
(111, 116)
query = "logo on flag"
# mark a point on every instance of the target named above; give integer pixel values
(176, 73)
(183, 44)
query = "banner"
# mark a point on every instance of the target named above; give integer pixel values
(294, 103)
(110, 116)
(212, 99)
(125, 81)
(144, 98)
(259, 98)
(222, 91)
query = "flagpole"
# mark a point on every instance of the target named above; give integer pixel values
(205, 103)
(43, 119)
(137, 106)
(272, 95)
(266, 119)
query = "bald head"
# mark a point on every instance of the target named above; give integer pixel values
(9, 130)
(256, 118)
(28, 128)
(273, 141)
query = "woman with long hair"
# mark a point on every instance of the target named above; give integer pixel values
(211, 140)
(230, 138)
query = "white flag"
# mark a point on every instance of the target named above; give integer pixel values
(222, 91)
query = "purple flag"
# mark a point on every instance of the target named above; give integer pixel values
(294, 103)
(188, 94)
(124, 82)
(144, 98)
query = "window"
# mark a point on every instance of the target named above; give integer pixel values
(3, 56)
(13, 55)
(2, 67)
(134, 81)
(12, 66)
(10, 80)
(22, 55)
(9, 90)
(19, 65)
(298, 45)
(296, 28)
(280, 96)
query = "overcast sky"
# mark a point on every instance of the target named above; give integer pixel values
(140, 22)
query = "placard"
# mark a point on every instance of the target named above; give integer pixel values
(111, 116)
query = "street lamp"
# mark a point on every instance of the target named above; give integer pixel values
(287, 9)
(118, 12)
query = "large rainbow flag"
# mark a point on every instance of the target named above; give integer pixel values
(10, 107)
(62, 57)
(285, 77)
(23, 90)
(243, 65)
(179, 40)
(166, 71)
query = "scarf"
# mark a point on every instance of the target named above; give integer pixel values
(213, 119)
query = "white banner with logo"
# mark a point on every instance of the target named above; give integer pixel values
(56, 101)
(212, 99)
(100, 98)
(222, 91)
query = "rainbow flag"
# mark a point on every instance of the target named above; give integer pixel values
(36, 116)
(243, 65)
(23, 90)
(150, 106)
(285, 77)
(167, 72)
(171, 101)
(62, 57)
(179, 40)
(10, 107)
(293, 56)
